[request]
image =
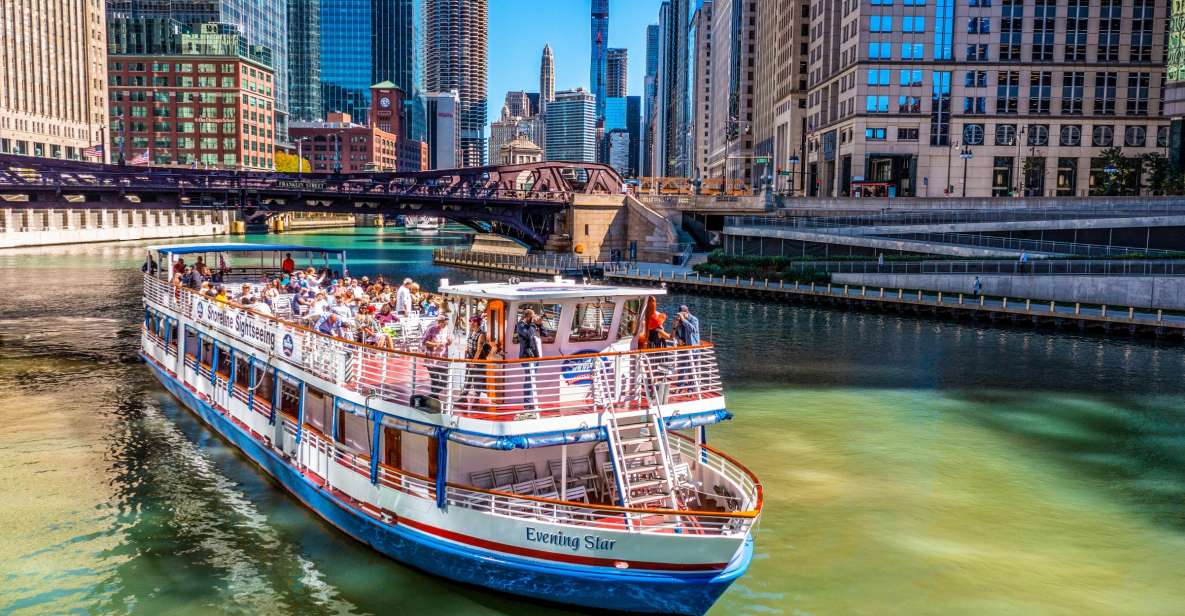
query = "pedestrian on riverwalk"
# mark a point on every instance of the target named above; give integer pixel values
(977, 288)
(880, 261)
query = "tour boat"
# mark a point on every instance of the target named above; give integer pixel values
(581, 476)
(423, 225)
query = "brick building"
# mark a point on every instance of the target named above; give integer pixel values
(340, 145)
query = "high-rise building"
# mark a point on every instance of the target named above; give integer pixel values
(444, 131)
(780, 90)
(1174, 87)
(571, 127)
(1031, 92)
(671, 152)
(509, 127)
(597, 75)
(53, 78)
(518, 104)
(617, 73)
(364, 42)
(623, 114)
(546, 78)
(730, 134)
(208, 105)
(262, 23)
(456, 51)
(646, 147)
(617, 146)
(701, 88)
(304, 60)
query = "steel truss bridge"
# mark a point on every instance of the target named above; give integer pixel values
(521, 202)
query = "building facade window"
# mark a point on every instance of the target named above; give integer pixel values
(1002, 175)
(909, 104)
(1141, 36)
(977, 52)
(1110, 24)
(1044, 17)
(1071, 135)
(1102, 136)
(1073, 91)
(1011, 28)
(973, 134)
(878, 77)
(1008, 92)
(1077, 22)
(1137, 93)
(913, 23)
(876, 104)
(1067, 176)
(975, 79)
(1135, 136)
(874, 134)
(1038, 135)
(880, 23)
(1005, 134)
(1104, 93)
(940, 107)
(907, 134)
(979, 25)
(910, 78)
(1040, 92)
(944, 23)
(974, 105)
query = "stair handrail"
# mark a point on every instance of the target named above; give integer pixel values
(654, 409)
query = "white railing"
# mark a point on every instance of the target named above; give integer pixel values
(741, 489)
(489, 389)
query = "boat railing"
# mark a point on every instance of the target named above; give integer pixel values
(526, 507)
(496, 389)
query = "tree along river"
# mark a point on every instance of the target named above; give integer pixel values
(910, 466)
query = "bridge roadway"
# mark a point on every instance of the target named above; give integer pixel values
(516, 201)
(1110, 319)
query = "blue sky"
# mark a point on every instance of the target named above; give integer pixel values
(520, 28)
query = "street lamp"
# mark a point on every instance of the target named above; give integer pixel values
(300, 154)
(966, 155)
(950, 188)
(794, 160)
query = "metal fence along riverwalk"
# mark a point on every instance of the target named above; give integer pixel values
(1017, 310)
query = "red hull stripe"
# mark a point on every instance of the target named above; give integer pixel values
(567, 558)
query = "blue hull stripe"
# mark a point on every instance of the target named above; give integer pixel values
(634, 591)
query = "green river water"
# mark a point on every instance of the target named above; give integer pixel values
(910, 466)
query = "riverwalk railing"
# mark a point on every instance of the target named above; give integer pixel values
(548, 263)
(1010, 267)
(739, 223)
(951, 217)
(1085, 313)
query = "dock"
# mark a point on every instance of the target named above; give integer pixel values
(529, 265)
(1131, 320)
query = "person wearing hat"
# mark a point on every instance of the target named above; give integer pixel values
(686, 327)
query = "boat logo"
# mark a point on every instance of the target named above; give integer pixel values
(288, 345)
(578, 370)
(201, 308)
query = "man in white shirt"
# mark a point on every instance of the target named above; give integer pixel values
(403, 298)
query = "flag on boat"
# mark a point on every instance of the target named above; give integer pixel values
(140, 159)
(95, 151)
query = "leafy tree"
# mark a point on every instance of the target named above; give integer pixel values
(286, 163)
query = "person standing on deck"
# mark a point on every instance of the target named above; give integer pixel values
(687, 335)
(403, 298)
(436, 342)
(530, 345)
(478, 347)
(288, 266)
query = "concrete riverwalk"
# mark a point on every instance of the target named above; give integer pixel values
(1098, 317)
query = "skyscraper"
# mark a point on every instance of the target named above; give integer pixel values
(364, 42)
(456, 52)
(600, 47)
(648, 97)
(304, 60)
(617, 73)
(518, 104)
(53, 103)
(260, 22)
(671, 152)
(546, 78)
(444, 133)
(730, 144)
(571, 127)
(622, 114)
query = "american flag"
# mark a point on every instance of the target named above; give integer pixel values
(95, 151)
(140, 159)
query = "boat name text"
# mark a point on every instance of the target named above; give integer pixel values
(572, 542)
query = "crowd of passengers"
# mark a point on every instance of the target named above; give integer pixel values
(358, 309)
(363, 310)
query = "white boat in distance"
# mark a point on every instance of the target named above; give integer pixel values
(580, 476)
(423, 225)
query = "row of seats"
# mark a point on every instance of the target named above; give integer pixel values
(523, 479)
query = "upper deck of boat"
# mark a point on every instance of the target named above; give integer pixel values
(590, 361)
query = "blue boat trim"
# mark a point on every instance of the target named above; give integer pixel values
(590, 586)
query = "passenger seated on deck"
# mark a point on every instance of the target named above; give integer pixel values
(179, 266)
(385, 315)
(246, 296)
(261, 307)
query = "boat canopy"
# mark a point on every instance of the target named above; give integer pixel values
(536, 291)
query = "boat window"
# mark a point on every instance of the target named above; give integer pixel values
(550, 321)
(317, 409)
(207, 352)
(173, 334)
(242, 371)
(191, 342)
(264, 386)
(592, 321)
(224, 357)
(352, 432)
(289, 398)
(629, 318)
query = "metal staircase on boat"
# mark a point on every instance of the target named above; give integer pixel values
(638, 448)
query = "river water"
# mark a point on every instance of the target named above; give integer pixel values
(910, 466)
